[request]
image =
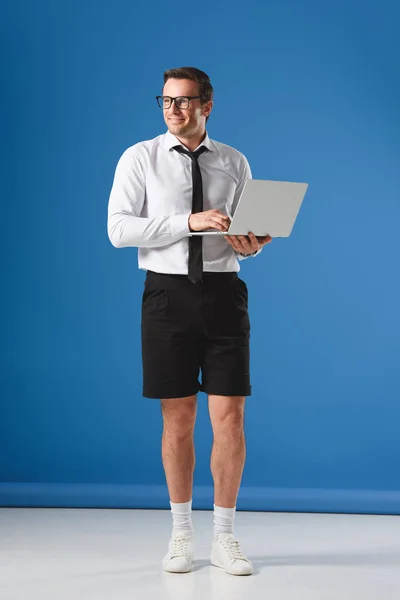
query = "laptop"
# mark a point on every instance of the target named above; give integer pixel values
(265, 208)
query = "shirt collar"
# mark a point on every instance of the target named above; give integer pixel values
(170, 141)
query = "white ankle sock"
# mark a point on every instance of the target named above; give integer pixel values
(181, 516)
(224, 519)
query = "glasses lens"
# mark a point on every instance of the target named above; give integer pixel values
(164, 102)
(182, 102)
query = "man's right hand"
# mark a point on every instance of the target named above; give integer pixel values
(210, 218)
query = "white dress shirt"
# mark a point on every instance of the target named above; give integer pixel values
(151, 201)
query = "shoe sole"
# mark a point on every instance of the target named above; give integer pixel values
(216, 564)
(167, 570)
(177, 572)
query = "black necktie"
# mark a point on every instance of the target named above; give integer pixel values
(195, 241)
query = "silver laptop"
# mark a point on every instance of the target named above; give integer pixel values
(265, 208)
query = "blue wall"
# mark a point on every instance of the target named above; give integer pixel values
(308, 91)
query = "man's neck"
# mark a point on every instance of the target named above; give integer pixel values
(193, 142)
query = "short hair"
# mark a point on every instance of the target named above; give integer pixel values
(206, 91)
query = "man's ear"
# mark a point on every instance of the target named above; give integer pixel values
(208, 107)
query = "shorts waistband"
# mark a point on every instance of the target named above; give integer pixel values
(207, 275)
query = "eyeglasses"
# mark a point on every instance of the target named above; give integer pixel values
(180, 101)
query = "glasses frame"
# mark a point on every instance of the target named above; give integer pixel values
(189, 98)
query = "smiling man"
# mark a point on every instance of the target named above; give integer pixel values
(194, 306)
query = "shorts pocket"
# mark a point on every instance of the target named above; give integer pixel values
(155, 300)
(240, 294)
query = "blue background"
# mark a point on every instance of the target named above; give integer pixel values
(308, 91)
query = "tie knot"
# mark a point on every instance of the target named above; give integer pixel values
(193, 155)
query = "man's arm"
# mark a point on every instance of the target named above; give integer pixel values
(125, 227)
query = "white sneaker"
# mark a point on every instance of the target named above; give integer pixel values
(227, 555)
(179, 558)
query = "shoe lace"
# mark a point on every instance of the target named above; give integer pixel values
(179, 547)
(233, 549)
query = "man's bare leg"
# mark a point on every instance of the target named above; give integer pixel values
(229, 447)
(178, 454)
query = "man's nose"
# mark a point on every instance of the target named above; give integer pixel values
(173, 108)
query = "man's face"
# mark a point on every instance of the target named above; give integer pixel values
(187, 122)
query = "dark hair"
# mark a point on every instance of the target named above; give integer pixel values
(206, 91)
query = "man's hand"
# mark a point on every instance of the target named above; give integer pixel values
(247, 244)
(213, 219)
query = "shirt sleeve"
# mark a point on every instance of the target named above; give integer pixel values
(125, 226)
(244, 176)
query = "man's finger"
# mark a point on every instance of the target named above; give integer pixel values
(229, 240)
(232, 242)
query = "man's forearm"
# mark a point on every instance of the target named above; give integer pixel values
(127, 230)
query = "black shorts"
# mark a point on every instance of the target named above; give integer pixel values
(187, 328)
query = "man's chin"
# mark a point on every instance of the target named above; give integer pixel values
(177, 128)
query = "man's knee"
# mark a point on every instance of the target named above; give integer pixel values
(227, 413)
(179, 415)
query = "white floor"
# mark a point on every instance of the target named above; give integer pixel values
(113, 554)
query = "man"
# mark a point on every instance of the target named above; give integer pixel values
(195, 307)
